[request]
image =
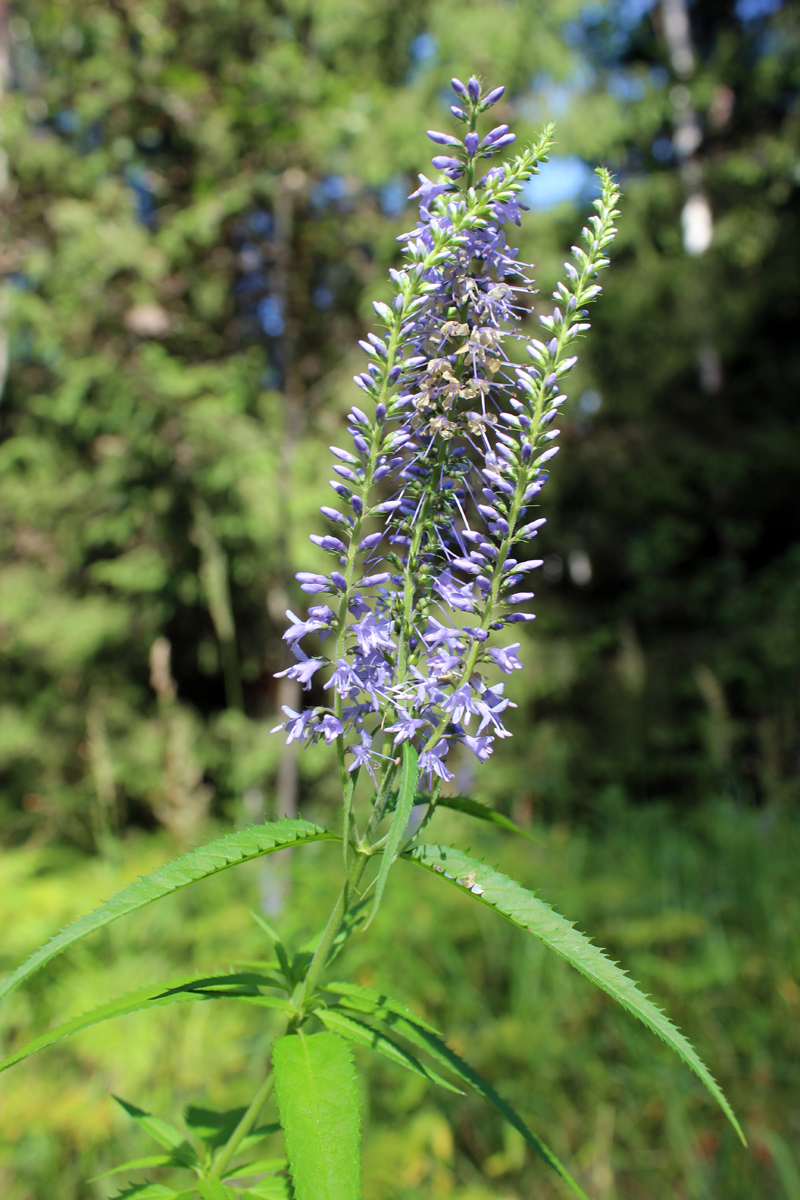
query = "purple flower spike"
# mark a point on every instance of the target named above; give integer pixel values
(454, 435)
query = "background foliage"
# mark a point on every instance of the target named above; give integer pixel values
(201, 202)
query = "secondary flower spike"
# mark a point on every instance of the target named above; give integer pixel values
(437, 496)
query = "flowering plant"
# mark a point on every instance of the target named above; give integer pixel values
(437, 501)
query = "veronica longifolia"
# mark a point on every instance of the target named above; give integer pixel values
(429, 542)
(437, 495)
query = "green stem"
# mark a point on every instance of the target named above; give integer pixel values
(333, 926)
(223, 1158)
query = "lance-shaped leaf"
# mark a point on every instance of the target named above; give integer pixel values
(522, 908)
(153, 1191)
(320, 1110)
(176, 991)
(400, 817)
(395, 1017)
(380, 1041)
(139, 1164)
(367, 1000)
(164, 1133)
(228, 851)
(474, 808)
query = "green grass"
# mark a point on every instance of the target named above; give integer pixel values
(703, 911)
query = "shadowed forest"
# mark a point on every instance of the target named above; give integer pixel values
(199, 202)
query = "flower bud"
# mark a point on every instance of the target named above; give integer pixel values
(474, 88)
(494, 134)
(443, 139)
(443, 163)
(492, 98)
(505, 140)
(333, 515)
(327, 543)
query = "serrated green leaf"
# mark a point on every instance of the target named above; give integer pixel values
(429, 1040)
(379, 1040)
(263, 1166)
(523, 909)
(265, 926)
(320, 1109)
(367, 1000)
(209, 987)
(216, 856)
(400, 818)
(274, 1002)
(151, 1191)
(400, 1019)
(258, 1135)
(475, 808)
(164, 1133)
(275, 981)
(139, 1164)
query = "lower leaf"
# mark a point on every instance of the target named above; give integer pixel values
(320, 1109)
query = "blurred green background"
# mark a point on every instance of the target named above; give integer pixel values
(199, 200)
